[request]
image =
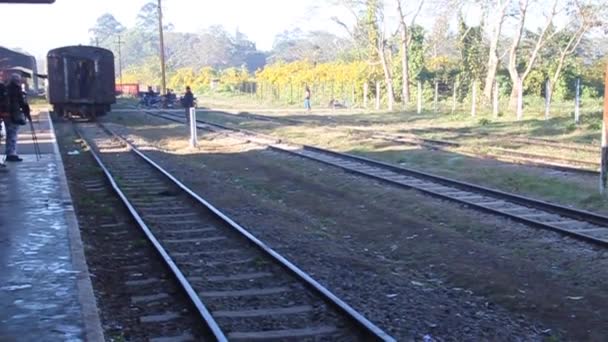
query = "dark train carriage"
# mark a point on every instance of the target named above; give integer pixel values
(81, 80)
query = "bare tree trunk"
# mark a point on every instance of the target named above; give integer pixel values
(405, 73)
(517, 78)
(493, 60)
(365, 94)
(388, 74)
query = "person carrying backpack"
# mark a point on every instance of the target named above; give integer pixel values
(17, 112)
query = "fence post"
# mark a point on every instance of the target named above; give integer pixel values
(604, 165)
(577, 101)
(454, 97)
(547, 99)
(365, 94)
(419, 109)
(474, 100)
(193, 137)
(495, 100)
(377, 95)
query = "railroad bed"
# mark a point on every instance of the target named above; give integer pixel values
(579, 224)
(241, 288)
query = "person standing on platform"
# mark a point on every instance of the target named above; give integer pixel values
(18, 112)
(188, 102)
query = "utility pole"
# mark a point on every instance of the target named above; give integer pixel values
(120, 61)
(162, 47)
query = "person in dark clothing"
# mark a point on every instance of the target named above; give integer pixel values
(148, 96)
(16, 105)
(188, 102)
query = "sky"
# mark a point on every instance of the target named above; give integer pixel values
(40, 28)
(66, 22)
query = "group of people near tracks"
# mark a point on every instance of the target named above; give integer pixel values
(152, 99)
(14, 112)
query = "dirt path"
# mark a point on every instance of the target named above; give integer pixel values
(413, 264)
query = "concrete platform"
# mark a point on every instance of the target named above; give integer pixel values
(45, 289)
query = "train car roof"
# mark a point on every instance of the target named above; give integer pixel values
(78, 49)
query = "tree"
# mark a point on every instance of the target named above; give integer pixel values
(105, 31)
(587, 15)
(315, 46)
(499, 8)
(472, 55)
(517, 77)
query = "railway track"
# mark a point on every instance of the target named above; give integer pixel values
(494, 152)
(241, 288)
(580, 224)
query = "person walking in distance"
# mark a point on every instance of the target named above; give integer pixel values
(307, 98)
(18, 112)
(188, 102)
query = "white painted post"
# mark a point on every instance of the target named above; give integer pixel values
(474, 100)
(577, 102)
(495, 108)
(365, 94)
(377, 95)
(520, 100)
(547, 99)
(193, 137)
(419, 97)
(454, 97)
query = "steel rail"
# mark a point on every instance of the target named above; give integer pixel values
(196, 301)
(324, 293)
(561, 210)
